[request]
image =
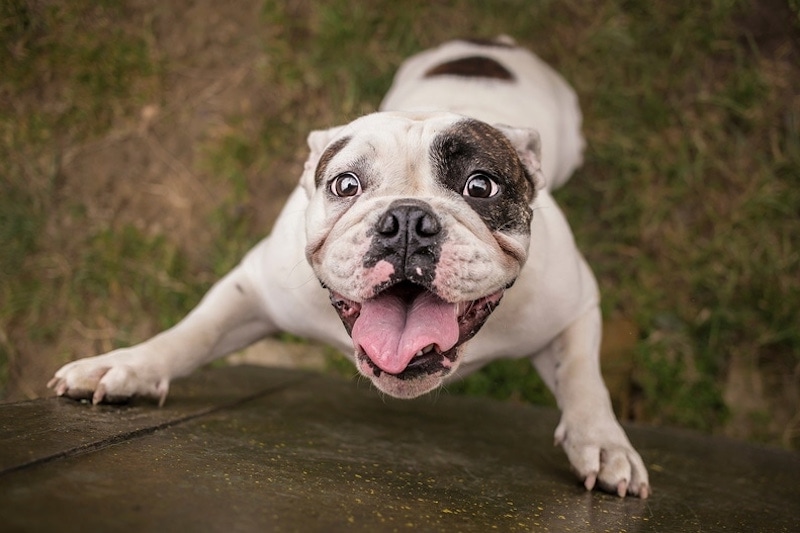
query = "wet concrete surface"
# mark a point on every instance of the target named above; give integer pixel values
(255, 449)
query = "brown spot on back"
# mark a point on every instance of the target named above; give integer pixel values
(472, 67)
(325, 158)
(499, 43)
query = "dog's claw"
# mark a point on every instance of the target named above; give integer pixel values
(162, 389)
(99, 394)
(560, 435)
(590, 481)
(622, 488)
(60, 386)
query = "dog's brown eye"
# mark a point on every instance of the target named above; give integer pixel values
(480, 186)
(346, 185)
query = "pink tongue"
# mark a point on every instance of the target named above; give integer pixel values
(391, 333)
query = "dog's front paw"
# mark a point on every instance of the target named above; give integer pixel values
(602, 455)
(112, 378)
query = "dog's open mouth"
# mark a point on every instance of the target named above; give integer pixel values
(408, 331)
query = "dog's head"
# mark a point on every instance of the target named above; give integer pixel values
(417, 224)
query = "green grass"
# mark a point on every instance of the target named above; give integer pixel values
(694, 175)
(687, 205)
(69, 73)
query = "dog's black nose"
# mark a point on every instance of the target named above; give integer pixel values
(409, 236)
(409, 223)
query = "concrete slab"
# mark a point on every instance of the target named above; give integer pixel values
(246, 449)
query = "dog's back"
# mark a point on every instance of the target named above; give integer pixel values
(499, 83)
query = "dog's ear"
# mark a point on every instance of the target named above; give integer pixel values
(318, 140)
(528, 144)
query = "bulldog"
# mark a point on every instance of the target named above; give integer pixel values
(407, 230)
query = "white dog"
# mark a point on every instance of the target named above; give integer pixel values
(416, 221)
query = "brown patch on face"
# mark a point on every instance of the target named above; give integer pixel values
(325, 159)
(472, 146)
(472, 67)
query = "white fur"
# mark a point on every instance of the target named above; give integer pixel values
(551, 315)
(539, 98)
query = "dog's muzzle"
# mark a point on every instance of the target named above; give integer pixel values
(406, 330)
(408, 236)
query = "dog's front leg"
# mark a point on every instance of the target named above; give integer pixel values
(595, 443)
(230, 316)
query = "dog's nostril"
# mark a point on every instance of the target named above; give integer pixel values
(388, 224)
(411, 219)
(428, 225)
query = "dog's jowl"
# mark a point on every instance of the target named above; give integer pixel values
(437, 246)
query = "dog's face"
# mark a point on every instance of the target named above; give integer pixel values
(417, 224)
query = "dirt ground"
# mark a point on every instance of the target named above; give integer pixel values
(147, 172)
